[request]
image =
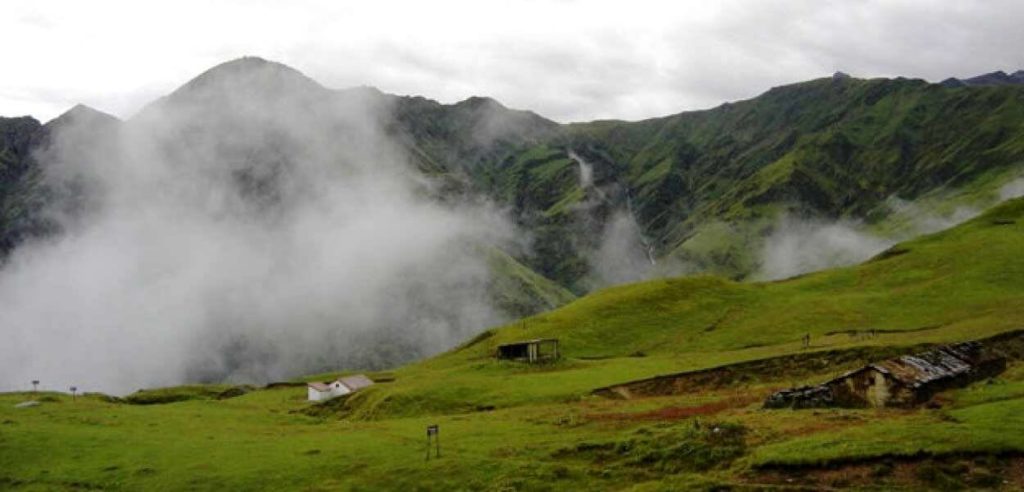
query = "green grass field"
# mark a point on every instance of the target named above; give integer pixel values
(508, 426)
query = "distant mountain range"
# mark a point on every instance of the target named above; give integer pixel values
(700, 189)
(988, 79)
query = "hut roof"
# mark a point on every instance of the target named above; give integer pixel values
(355, 382)
(535, 340)
(922, 368)
(925, 367)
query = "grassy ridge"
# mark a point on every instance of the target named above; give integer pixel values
(960, 284)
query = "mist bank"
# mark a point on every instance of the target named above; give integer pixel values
(784, 246)
(801, 245)
(249, 227)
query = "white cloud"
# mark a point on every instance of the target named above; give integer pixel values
(1013, 189)
(569, 60)
(799, 246)
(247, 233)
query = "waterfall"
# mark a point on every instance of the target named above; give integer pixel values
(648, 247)
(586, 181)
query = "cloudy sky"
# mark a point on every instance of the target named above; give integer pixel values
(568, 60)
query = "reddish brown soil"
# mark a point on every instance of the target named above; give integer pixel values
(677, 413)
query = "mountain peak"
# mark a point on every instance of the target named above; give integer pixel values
(480, 101)
(81, 113)
(248, 64)
(250, 73)
(251, 79)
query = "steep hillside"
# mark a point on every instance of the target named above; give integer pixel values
(836, 146)
(519, 291)
(17, 180)
(828, 148)
(466, 136)
(964, 283)
(27, 200)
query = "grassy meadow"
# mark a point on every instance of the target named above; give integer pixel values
(509, 426)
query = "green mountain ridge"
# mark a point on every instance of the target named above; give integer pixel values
(705, 188)
(827, 148)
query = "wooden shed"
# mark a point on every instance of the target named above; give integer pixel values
(532, 351)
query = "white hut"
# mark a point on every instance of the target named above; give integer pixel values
(342, 386)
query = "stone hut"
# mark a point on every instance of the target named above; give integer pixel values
(900, 382)
(320, 391)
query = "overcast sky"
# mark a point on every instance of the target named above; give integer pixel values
(568, 60)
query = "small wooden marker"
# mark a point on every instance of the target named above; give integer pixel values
(73, 390)
(433, 434)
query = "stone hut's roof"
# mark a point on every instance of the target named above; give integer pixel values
(925, 367)
(356, 382)
(933, 365)
(353, 383)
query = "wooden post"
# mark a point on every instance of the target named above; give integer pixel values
(433, 437)
(73, 390)
(35, 385)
